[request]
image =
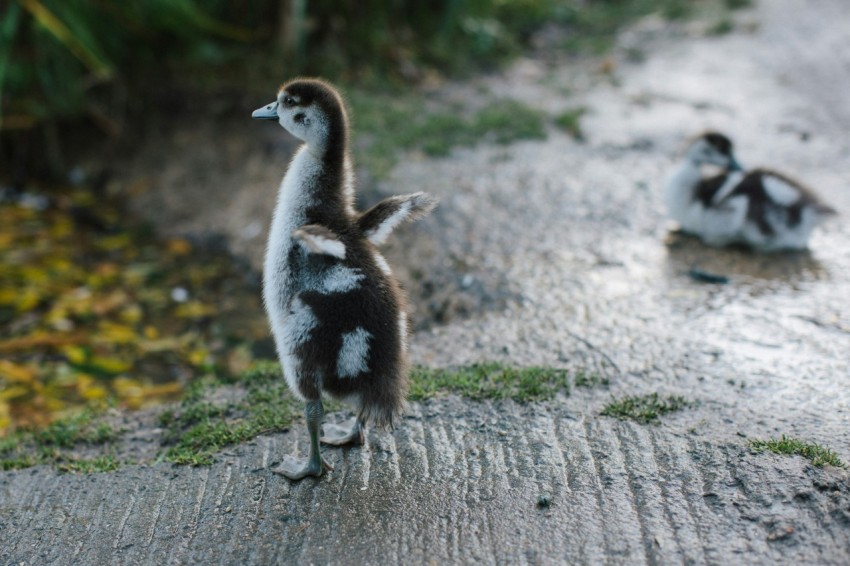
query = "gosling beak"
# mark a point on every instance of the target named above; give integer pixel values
(734, 165)
(267, 112)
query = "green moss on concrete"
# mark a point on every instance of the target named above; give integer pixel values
(819, 455)
(645, 408)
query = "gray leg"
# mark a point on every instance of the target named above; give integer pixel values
(337, 435)
(296, 469)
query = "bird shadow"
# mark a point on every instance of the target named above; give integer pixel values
(687, 255)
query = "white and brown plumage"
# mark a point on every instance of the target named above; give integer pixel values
(337, 314)
(762, 209)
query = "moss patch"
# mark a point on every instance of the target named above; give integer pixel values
(721, 27)
(55, 444)
(818, 454)
(90, 466)
(386, 124)
(490, 381)
(570, 122)
(589, 380)
(645, 408)
(200, 427)
(220, 412)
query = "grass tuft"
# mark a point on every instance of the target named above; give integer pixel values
(818, 454)
(645, 408)
(216, 413)
(721, 27)
(90, 466)
(79, 429)
(570, 122)
(50, 445)
(199, 428)
(589, 380)
(389, 123)
(490, 380)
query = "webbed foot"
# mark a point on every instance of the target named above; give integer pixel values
(336, 435)
(296, 468)
(314, 465)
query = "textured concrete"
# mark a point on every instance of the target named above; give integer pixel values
(552, 253)
(454, 484)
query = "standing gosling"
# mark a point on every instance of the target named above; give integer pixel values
(337, 314)
(761, 209)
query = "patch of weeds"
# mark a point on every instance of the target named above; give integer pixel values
(90, 466)
(570, 122)
(17, 463)
(506, 121)
(594, 25)
(50, 445)
(68, 432)
(200, 428)
(818, 454)
(491, 380)
(388, 124)
(644, 408)
(583, 379)
(721, 27)
(738, 4)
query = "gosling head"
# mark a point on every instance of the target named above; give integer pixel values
(712, 148)
(312, 111)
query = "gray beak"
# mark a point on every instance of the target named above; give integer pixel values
(734, 165)
(267, 112)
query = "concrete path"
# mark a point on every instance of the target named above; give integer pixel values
(454, 484)
(557, 253)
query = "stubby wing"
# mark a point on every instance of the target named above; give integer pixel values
(378, 222)
(318, 239)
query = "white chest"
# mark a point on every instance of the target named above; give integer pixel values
(293, 200)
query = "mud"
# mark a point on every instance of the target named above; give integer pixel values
(553, 253)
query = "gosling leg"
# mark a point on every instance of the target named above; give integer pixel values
(315, 465)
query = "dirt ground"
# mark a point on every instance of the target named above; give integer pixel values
(554, 253)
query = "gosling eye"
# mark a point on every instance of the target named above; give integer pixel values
(288, 101)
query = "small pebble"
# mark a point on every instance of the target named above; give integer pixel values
(705, 277)
(544, 500)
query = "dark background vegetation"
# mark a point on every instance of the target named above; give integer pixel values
(83, 69)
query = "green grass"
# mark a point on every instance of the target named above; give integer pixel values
(490, 381)
(721, 27)
(51, 444)
(90, 466)
(387, 124)
(644, 408)
(207, 420)
(200, 428)
(570, 122)
(82, 428)
(818, 454)
(590, 380)
(596, 24)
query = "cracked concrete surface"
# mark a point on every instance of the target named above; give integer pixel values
(559, 254)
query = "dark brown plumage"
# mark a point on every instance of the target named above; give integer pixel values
(337, 314)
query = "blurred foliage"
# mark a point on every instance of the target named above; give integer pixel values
(93, 313)
(56, 56)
